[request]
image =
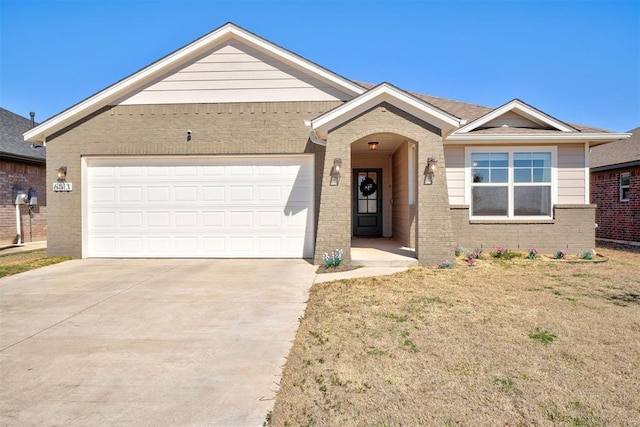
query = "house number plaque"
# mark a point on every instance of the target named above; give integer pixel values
(62, 186)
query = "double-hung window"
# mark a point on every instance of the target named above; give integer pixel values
(625, 179)
(510, 183)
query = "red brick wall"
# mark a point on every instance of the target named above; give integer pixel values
(616, 220)
(23, 175)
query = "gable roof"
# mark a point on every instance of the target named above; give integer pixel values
(451, 116)
(533, 115)
(151, 73)
(12, 144)
(388, 93)
(617, 154)
(471, 112)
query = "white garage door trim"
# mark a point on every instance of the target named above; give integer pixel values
(198, 207)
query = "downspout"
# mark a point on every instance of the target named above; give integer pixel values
(18, 231)
(313, 136)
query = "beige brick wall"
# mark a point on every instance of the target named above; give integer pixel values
(572, 228)
(434, 235)
(242, 128)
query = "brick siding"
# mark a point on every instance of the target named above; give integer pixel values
(572, 228)
(617, 220)
(136, 130)
(434, 235)
(25, 176)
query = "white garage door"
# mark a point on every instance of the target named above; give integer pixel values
(218, 207)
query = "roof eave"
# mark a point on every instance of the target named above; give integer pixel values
(614, 166)
(592, 138)
(523, 108)
(23, 159)
(164, 65)
(385, 92)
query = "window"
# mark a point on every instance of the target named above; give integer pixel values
(510, 183)
(625, 178)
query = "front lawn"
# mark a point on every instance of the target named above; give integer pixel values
(506, 342)
(21, 262)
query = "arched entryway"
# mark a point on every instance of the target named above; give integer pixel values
(383, 197)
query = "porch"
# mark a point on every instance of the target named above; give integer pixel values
(381, 252)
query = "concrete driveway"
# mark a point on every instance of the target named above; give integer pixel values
(148, 342)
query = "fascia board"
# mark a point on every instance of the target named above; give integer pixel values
(516, 105)
(591, 138)
(377, 95)
(164, 65)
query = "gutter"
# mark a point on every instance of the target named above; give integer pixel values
(23, 159)
(570, 136)
(313, 136)
(625, 165)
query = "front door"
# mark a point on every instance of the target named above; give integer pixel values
(367, 202)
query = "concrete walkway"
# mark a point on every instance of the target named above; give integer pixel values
(25, 247)
(148, 342)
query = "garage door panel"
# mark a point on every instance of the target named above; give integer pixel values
(211, 207)
(213, 219)
(213, 194)
(158, 194)
(131, 219)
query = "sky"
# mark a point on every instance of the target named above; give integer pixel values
(577, 60)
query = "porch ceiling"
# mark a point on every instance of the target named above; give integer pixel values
(387, 143)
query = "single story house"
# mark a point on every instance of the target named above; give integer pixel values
(22, 168)
(615, 189)
(233, 146)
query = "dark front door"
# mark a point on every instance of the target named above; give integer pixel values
(367, 202)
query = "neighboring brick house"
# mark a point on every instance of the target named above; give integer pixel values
(615, 189)
(22, 166)
(235, 147)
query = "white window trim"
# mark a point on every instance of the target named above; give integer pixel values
(620, 186)
(503, 149)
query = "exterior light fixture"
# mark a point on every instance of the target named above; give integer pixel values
(430, 170)
(373, 145)
(62, 173)
(335, 172)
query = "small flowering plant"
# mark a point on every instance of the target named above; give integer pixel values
(474, 254)
(588, 254)
(333, 258)
(446, 264)
(533, 253)
(458, 250)
(560, 254)
(500, 252)
(471, 262)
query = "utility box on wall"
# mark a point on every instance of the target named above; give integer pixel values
(33, 196)
(20, 197)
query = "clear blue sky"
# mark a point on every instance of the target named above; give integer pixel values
(576, 60)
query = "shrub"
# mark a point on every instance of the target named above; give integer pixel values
(587, 254)
(446, 264)
(560, 254)
(504, 253)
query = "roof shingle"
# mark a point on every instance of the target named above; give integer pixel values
(617, 153)
(12, 144)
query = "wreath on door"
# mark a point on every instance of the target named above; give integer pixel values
(368, 187)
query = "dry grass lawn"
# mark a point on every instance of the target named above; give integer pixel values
(21, 262)
(507, 343)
